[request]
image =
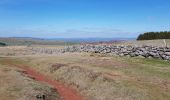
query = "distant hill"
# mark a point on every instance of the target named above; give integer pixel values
(31, 41)
(56, 41)
(92, 39)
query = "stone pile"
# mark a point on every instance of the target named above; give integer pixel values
(131, 51)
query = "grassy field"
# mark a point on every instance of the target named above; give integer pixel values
(100, 77)
(94, 76)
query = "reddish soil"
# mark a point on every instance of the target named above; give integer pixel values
(66, 92)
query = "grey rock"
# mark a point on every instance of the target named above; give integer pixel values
(167, 53)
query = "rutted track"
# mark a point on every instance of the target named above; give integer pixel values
(66, 92)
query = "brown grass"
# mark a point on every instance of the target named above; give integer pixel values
(16, 85)
(96, 76)
(107, 78)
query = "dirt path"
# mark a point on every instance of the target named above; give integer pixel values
(66, 92)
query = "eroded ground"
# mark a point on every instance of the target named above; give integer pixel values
(16, 85)
(100, 77)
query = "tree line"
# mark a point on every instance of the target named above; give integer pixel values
(154, 35)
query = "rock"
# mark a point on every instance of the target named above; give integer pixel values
(140, 56)
(141, 53)
(133, 54)
(163, 57)
(167, 53)
(128, 56)
(150, 57)
(121, 54)
(167, 58)
(126, 53)
(167, 50)
(152, 54)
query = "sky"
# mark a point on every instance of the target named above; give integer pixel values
(83, 18)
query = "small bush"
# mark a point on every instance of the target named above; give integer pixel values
(3, 44)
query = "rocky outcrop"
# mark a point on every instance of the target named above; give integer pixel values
(131, 51)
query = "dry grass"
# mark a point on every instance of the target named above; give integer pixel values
(98, 77)
(107, 78)
(14, 50)
(15, 85)
(146, 42)
(25, 50)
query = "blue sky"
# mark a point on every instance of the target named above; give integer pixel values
(82, 18)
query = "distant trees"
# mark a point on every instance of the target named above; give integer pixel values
(154, 35)
(2, 44)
